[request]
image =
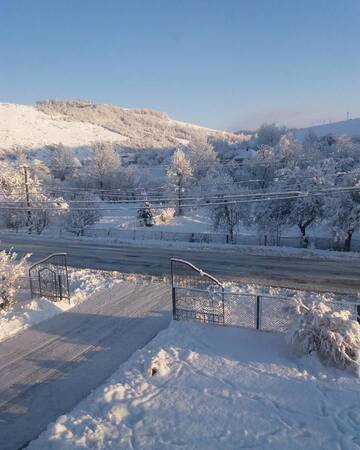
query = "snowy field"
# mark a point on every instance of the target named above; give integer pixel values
(204, 387)
(124, 217)
(26, 312)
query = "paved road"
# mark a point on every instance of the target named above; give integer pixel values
(313, 273)
(46, 370)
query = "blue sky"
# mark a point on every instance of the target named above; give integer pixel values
(219, 63)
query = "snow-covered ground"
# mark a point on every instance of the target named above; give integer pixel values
(350, 127)
(27, 127)
(204, 387)
(124, 217)
(27, 312)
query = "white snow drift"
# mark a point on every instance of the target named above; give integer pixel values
(25, 313)
(203, 387)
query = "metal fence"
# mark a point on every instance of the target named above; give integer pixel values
(322, 243)
(49, 278)
(198, 296)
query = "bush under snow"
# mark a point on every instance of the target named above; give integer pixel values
(331, 334)
(11, 271)
(165, 216)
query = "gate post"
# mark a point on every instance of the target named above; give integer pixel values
(258, 321)
(173, 293)
(223, 302)
(40, 290)
(60, 287)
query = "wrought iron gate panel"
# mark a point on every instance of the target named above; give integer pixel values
(196, 295)
(49, 278)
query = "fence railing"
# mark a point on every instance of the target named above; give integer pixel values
(322, 243)
(198, 296)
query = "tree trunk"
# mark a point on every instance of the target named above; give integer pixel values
(229, 223)
(179, 187)
(305, 240)
(231, 232)
(347, 244)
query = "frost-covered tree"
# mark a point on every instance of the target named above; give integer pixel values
(202, 156)
(333, 335)
(84, 211)
(269, 134)
(104, 164)
(226, 210)
(11, 271)
(343, 216)
(270, 217)
(304, 210)
(179, 175)
(261, 168)
(63, 164)
(288, 147)
(17, 211)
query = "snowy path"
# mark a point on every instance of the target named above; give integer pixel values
(46, 370)
(313, 273)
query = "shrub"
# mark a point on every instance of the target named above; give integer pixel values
(333, 335)
(165, 216)
(11, 271)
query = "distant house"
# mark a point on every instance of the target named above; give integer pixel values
(244, 153)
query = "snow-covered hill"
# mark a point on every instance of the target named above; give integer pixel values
(77, 123)
(26, 127)
(350, 127)
(144, 128)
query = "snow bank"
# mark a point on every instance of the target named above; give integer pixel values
(25, 313)
(27, 127)
(201, 387)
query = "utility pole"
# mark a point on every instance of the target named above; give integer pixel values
(29, 218)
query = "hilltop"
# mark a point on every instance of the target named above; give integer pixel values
(76, 123)
(350, 127)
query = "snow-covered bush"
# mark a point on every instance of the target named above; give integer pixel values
(11, 270)
(165, 216)
(333, 335)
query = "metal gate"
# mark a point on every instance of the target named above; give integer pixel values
(49, 278)
(196, 295)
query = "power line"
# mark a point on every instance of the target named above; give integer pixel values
(288, 195)
(117, 191)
